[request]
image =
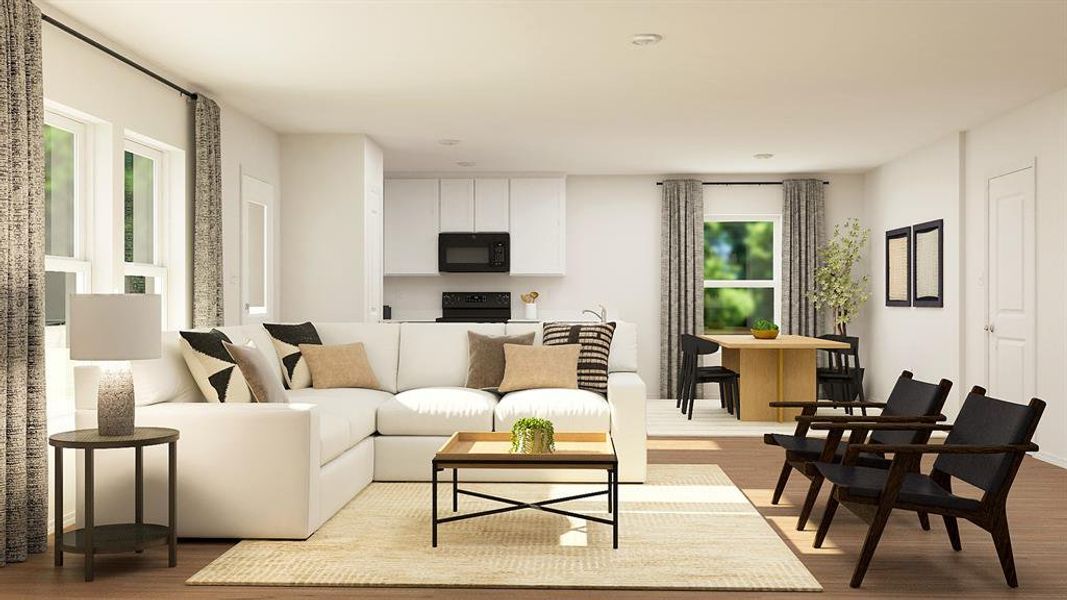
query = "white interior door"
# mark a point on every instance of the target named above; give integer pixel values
(1012, 289)
(257, 250)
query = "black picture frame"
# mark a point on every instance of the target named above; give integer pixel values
(937, 301)
(890, 236)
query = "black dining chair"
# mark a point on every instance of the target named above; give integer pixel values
(842, 379)
(984, 448)
(691, 374)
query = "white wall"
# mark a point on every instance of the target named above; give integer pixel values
(118, 101)
(921, 186)
(248, 148)
(1034, 133)
(324, 176)
(613, 248)
(948, 180)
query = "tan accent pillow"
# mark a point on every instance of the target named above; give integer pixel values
(529, 367)
(260, 374)
(486, 358)
(339, 366)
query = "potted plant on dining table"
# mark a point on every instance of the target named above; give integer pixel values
(763, 329)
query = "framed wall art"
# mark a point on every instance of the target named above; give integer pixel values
(928, 274)
(898, 267)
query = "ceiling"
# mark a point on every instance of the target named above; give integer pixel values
(558, 87)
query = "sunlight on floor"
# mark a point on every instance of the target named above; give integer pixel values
(659, 444)
(576, 535)
(761, 498)
(659, 494)
(786, 526)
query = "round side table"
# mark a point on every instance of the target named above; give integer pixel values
(117, 537)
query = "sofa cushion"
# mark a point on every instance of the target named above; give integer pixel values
(437, 411)
(164, 379)
(623, 356)
(569, 410)
(339, 366)
(213, 369)
(435, 354)
(335, 437)
(357, 406)
(595, 341)
(381, 341)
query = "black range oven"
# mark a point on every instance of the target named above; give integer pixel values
(473, 252)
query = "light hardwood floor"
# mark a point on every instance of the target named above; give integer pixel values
(910, 563)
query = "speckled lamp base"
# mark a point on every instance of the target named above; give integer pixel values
(114, 400)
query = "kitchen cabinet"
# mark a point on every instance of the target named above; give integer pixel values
(457, 205)
(491, 205)
(412, 218)
(538, 226)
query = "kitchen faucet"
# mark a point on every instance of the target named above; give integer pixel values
(601, 315)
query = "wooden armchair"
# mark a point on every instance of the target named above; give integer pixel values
(910, 401)
(984, 448)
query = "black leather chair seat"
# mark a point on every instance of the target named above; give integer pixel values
(714, 373)
(917, 488)
(811, 448)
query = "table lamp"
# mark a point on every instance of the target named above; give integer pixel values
(114, 329)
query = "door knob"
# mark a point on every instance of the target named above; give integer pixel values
(992, 328)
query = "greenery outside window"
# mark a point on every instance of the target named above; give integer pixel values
(742, 271)
(144, 271)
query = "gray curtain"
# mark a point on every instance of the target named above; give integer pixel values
(681, 274)
(802, 227)
(207, 216)
(23, 421)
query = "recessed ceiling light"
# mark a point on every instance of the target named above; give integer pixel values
(762, 156)
(466, 163)
(448, 142)
(646, 39)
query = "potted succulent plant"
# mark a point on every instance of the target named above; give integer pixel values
(531, 435)
(763, 329)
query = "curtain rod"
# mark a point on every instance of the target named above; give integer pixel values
(742, 183)
(116, 55)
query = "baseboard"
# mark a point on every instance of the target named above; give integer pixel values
(69, 521)
(1050, 459)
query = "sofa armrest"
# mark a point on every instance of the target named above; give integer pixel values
(626, 395)
(244, 470)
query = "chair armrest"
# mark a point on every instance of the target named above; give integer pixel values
(629, 433)
(827, 404)
(904, 426)
(943, 449)
(815, 420)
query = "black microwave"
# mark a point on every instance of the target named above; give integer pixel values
(473, 252)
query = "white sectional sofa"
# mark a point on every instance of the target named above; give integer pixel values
(281, 470)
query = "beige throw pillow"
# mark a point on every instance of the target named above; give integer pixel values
(486, 358)
(529, 367)
(260, 374)
(342, 366)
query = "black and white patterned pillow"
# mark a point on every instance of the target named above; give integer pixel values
(214, 370)
(287, 339)
(595, 340)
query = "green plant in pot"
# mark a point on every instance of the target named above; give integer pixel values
(763, 329)
(836, 287)
(531, 435)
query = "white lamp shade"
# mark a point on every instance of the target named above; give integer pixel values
(115, 326)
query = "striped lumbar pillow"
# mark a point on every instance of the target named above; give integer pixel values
(595, 340)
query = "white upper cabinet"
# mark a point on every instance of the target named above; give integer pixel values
(457, 205)
(491, 212)
(538, 226)
(411, 226)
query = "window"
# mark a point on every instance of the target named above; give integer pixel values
(143, 204)
(741, 271)
(67, 268)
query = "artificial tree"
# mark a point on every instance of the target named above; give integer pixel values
(836, 288)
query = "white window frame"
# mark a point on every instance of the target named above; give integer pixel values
(158, 268)
(78, 264)
(776, 282)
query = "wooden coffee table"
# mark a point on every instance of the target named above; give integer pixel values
(492, 450)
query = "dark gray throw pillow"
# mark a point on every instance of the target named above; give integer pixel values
(485, 368)
(595, 339)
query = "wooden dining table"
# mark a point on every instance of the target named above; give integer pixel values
(782, 369)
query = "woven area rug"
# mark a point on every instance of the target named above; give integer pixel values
(687, 528)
